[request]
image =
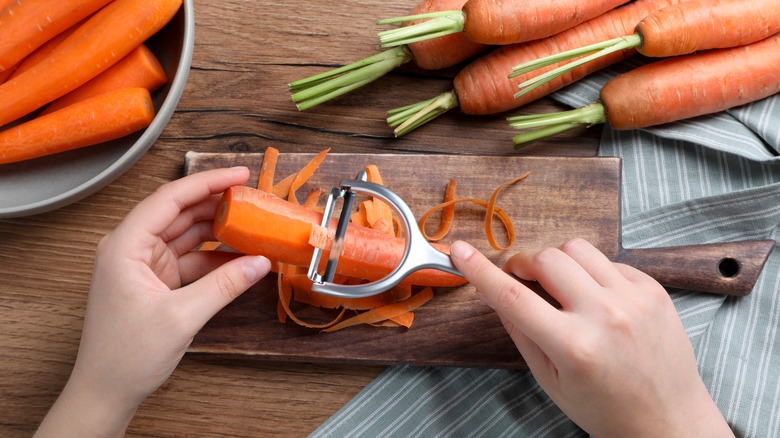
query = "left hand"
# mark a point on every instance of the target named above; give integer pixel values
(150, 295)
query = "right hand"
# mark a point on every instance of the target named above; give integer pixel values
(614, 356)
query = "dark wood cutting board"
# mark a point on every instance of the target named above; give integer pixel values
(562, 198)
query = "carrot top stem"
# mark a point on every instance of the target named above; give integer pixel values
(320, 88)
(410, 117)
(546, 125)
(593, 51)
(437, 24)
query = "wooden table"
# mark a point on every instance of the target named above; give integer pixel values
(236, 100)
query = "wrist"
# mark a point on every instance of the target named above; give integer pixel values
(83, 410)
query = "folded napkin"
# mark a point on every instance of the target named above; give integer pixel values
(710, 179)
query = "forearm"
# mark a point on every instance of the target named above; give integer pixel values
(82, 412)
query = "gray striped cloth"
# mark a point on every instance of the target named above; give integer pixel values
(711, 179)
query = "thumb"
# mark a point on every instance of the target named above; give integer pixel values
(218, 288)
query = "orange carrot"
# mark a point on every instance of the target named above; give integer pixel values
(482, 86)
(447, 214)
(386, 312)
(430, 55)
(103, 40)
(255, 222)
(26, 25)
(672, 89)
(5, 3)
(98, 119)
(45, 49)
(675, 30)
(501, 23)
(139, 69)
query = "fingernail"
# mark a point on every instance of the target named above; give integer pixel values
(461, 250)
(256, 268)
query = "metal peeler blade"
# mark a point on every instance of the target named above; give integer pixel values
(418, 254)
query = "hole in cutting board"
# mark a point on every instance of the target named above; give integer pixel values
(728, 267)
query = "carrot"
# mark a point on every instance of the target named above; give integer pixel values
(103, 40)
(98, 119)
(26, 25)
(5, 3)
(386, 312)
(672, 89)
(139, 69)
(501, 23)
(482, 86)
(45, 49)
(675, 30)
(255, 222)
(428, 55)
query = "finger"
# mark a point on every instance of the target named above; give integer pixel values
(202, 211)
(158, 211)
(205, 297)
(195, 264)
(558, 274)
(594, 262)
(195, 235)
(526, 310)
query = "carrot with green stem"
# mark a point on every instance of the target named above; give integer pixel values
(26, 25)
(676, 30)
(428, 55)
(499, 23)
(482, 86)
(101, 41)
(670, 90)
(95, 120)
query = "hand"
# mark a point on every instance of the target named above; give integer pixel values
(614, 356)
(150, 295)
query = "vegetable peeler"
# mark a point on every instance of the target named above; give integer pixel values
(418, 253)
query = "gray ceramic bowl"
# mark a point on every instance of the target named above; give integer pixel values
(47, 183)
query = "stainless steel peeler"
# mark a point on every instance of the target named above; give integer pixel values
(418, 254)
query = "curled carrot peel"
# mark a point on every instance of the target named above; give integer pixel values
(491, 210)
(267, 170)
(386, 312)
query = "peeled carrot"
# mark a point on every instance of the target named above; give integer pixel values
(255, 222)
(501, 23)
(103, 40)
(26, 25)
(45, 49)
(140, 68)
(98, 119)
(672, 89)
(482, 86)
(675, 30)
(430, 55)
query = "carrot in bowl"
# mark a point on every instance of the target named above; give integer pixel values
(675, 30)
(429, 55)
(500, 23)
(482, 86)
(26, 25)
(140, 68)
(669, 90)
(100, 42)
(96, 120)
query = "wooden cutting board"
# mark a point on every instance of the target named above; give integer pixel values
(562, 198)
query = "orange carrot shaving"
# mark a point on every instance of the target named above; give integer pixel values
(447, 214)
(386, 312)
(266, 180)
(305, 173)
(489, 215)
(285, 297)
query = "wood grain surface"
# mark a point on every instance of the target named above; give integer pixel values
(235, 101)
